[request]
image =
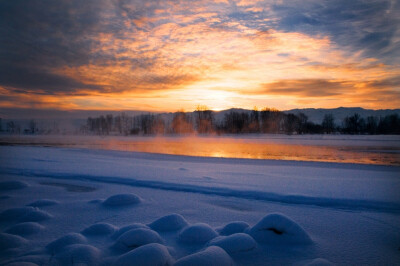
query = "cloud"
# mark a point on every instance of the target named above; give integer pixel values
(306, 87)
(38, 36)
(388, 83)
(370, 27)
(35, 81)
(96, 53)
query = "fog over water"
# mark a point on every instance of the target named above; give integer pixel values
(384, 150)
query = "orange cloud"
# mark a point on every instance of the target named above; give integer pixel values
(181, 54)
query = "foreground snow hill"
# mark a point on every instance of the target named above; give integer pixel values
(75, 206)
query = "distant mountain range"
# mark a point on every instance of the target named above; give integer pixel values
(317, 115)
(69, 121)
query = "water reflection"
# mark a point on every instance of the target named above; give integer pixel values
(372, 152)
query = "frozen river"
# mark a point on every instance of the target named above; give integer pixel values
(382, 150)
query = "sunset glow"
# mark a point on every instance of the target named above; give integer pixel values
(171, 55)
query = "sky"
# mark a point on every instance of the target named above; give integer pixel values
(172, 55)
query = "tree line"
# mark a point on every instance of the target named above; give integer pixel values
(32, 127)
(202, 121)
(267, 120)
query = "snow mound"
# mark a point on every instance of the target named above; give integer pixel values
(15, 213)
(320, 262)
(67, 240)
(11, 241)
(11, 185)
(43, 203)
(24, 214)
(21, 263)
(35, 216)
(199, 233)
(122, 200)
(79, 254)
(170, 222)
(150, 254)
(137, 237)
(278, 229)
(212, 256)
(235, 243)
(233, 228)
(30, 260)
(126, 228)
(24, 229)
(99, 229)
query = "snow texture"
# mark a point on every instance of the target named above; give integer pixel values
(150, 254)
(320, 262)
(233, 227)
(278, 229)
(14, 214)
(170, 222)
(137, 237)
(25, 229)
(122, 200)
(8, 241)
(70, 239)
(43, 203)
(35, 216)
(30, 259)
(78, 254)
(337, 205)
(11, 185)
(126, 228)
(99, 229)
(212, 256)
(22, 263)
(235, 243)
(199, 233)
(24, 214)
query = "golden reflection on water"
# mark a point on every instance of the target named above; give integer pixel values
(236, 148)
(231, 148)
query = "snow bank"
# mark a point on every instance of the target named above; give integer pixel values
(199, 233)
(70, 239)
(212, 256)
(235, 243)
(79, 254)
(278, 229)
(122, 200)
(137, 237)
(170, 222)
(233, 227)
(99, 229)
(127, 228)
(11, 241)
(150, 254)
(43, 203)
(11, 185)
(24, 229)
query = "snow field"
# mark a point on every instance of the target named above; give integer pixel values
(161, 214)
(140, 244)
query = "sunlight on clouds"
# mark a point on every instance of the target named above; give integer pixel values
(177, 54)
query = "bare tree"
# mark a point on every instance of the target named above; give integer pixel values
(32, 126)
(328, 123)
